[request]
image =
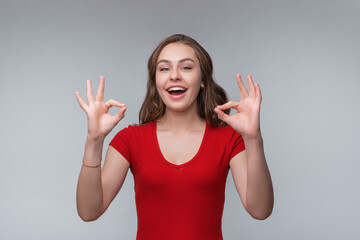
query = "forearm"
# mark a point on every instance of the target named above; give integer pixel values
(89, 196)
(259, 190)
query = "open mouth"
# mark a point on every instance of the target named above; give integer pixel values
(176, 90)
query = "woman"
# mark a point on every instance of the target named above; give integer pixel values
(182, 150)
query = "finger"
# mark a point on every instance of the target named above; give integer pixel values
(243, 91)
(81, 101)
(222, 116)
(251, 86)
(120, 114)
(100, 91)
(228, 105)
(258, 92)
(112, 102)
(89, 92)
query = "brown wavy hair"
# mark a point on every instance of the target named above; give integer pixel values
(153, 108)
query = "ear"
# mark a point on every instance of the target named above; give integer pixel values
(202, 85)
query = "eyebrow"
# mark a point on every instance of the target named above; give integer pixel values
(182, 60)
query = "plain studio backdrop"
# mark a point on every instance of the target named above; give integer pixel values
(304, 54)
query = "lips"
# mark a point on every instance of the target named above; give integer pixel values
(176, 90)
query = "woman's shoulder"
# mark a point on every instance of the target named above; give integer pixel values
(134, 132)
(223, 133)
(221, 129)
(138, 128)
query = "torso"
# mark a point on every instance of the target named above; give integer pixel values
(179, 201)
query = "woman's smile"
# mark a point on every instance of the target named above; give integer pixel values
(176, 91)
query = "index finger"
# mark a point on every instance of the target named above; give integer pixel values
(100, 91)
(81, 101)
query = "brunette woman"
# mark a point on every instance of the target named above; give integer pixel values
(181, 151)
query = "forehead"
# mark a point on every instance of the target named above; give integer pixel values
(177, 51)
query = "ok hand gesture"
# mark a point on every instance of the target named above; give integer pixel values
(100, 122)
(247, 119)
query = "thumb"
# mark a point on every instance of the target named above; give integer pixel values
(120, 114)
(222, 116)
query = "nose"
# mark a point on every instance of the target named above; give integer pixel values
(175, 75)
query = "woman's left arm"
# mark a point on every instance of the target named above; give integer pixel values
(249, 168)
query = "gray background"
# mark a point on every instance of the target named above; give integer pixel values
(304, 54)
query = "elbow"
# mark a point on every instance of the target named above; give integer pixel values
(88, 213)
(260, 210)
(262, 215)
(87, 217)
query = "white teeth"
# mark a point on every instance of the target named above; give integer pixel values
(177, 89)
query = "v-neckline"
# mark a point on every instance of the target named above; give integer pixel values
(156, 140)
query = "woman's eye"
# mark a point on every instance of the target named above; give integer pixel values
(186, 68)
(164, 69)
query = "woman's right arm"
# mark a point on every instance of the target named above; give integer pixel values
(97, 187)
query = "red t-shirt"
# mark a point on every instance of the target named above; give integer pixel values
(178, 201)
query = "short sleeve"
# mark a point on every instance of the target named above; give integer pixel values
(236, 144)
(121, 142)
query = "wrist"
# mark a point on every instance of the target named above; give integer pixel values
(256, 137)
(92, 165)
(95, 139)
(93, 152)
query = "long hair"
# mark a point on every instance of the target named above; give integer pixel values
(153, 108)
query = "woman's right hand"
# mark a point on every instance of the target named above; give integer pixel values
(100, 122)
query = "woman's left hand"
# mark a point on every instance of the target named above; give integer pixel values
(247, 119)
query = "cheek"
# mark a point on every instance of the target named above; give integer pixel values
(158, 85)
(198, 85)
(198, 80)
(157, 81)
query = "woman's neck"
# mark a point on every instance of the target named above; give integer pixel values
(181, 121)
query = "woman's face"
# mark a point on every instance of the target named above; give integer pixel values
(178, 77)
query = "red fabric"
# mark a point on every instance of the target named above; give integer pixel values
(178, 201)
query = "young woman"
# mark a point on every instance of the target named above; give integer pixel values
(181, 151)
